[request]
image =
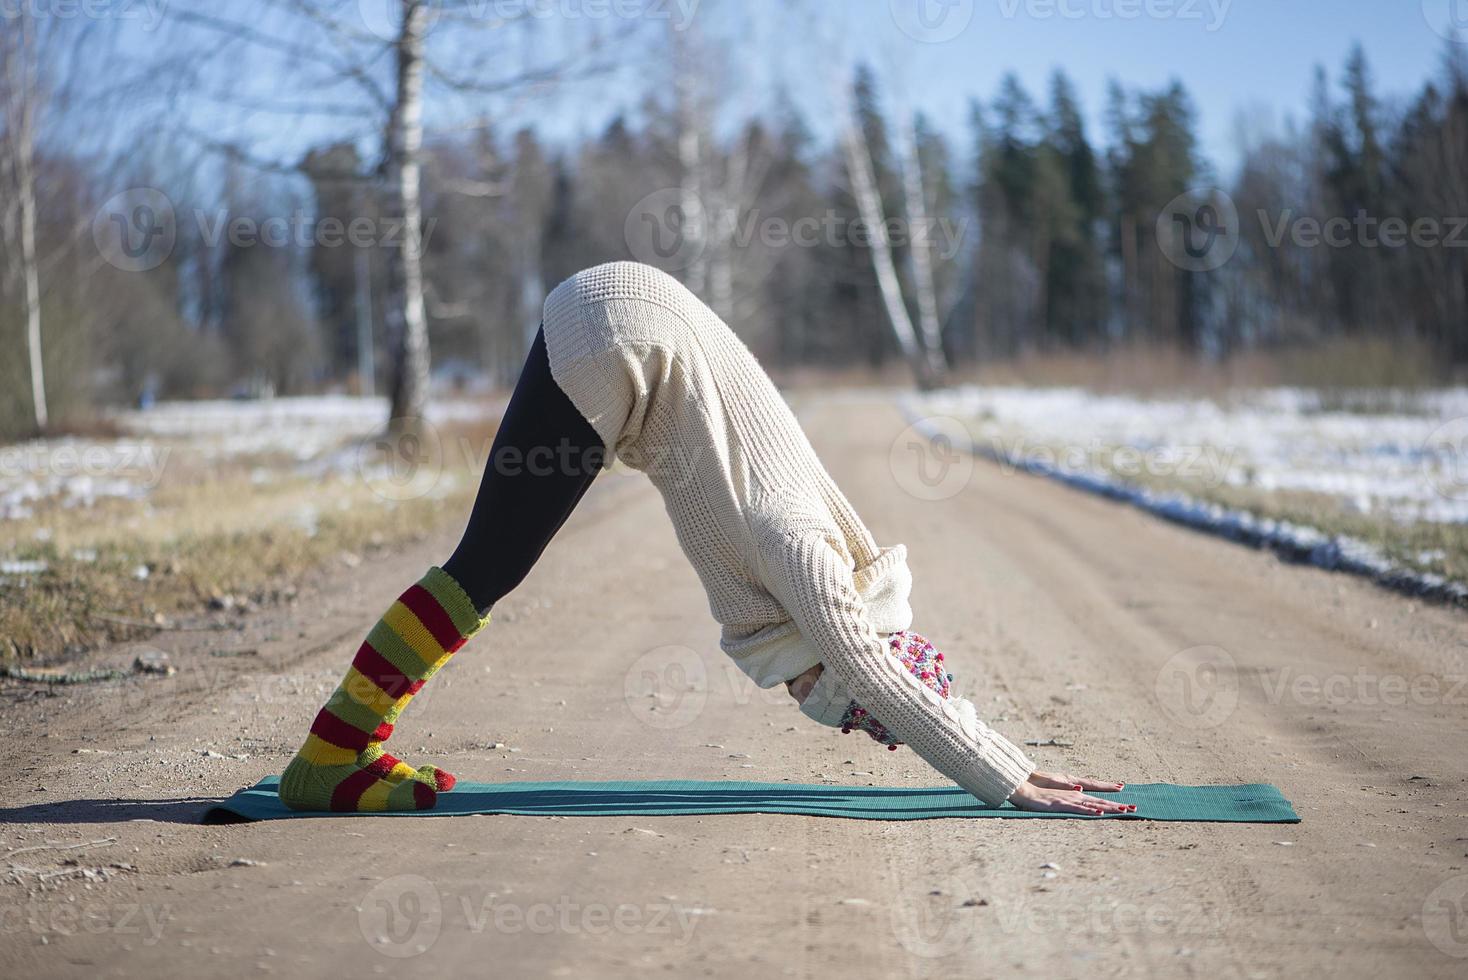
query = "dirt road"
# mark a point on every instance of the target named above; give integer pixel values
(1158, 653)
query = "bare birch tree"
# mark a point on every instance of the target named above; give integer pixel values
(920, 253)
(20, 73)
(350, 57)
(926, 362)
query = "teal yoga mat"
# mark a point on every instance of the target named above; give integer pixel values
(1256, 803)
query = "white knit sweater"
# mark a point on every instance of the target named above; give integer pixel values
(792, 574)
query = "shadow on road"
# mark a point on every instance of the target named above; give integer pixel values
(190, 809)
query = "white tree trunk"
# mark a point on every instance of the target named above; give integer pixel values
(869, 206)
(21, 85)
(694, 217)
(32, 276)
(921, 254)
(405, 172)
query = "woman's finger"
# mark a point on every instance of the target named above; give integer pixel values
(1093, 785)
(1065, 806)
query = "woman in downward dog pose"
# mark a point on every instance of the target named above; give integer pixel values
(629, 362)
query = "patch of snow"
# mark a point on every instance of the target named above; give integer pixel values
(317, 433)
(1410, 465)
(17, 566)
(1058, 433)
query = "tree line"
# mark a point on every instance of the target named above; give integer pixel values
(344, 267)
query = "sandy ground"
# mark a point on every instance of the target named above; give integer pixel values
(1157, 653)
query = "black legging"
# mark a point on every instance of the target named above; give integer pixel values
(544, 457)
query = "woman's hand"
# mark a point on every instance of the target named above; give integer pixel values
(1069, 799)
(1060, 780)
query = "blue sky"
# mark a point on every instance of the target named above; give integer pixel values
(1253, 59)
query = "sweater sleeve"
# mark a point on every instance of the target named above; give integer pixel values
(815, 585)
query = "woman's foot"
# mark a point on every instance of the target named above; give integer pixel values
(325, 777)
(800, 687)
(343, 765)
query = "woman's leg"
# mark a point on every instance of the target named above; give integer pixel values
(544, 457)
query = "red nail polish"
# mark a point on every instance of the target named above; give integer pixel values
(1076, 788)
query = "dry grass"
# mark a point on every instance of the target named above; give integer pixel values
(1348, 372)
(1429, 547)
(1348, 369)
(241, 534)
